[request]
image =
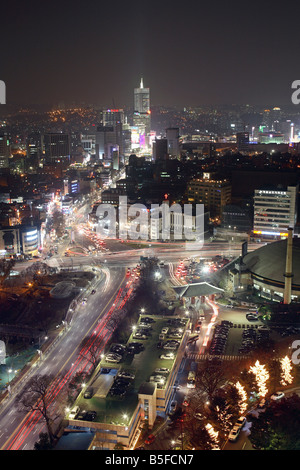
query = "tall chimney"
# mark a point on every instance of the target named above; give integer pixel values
(288, 268)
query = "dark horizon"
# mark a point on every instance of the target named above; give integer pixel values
(188, 56)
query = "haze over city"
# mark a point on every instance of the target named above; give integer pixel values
(191, 54)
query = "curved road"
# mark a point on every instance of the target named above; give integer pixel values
(19, 432)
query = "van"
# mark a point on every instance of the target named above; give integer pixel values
(74, 412)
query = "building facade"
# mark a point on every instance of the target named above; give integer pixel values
(275, 211)
(214, 193)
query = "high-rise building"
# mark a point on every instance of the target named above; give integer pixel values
(34, 151)
(142, 116)
(142, 99)
(214, 193)
(105, 138)
(242, 140)
(112, 117)
(172, 135)
(4, 150)
(57, 148)
(275, 210)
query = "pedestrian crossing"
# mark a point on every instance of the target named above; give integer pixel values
(203, 357)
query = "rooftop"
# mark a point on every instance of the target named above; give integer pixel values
(112, 409)
(197, 290)
(269, 261)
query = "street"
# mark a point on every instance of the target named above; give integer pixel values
(19, 432)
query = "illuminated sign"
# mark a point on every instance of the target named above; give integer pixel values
(261, 232)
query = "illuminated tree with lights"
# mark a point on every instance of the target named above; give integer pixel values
(261, 377)
(243, 397)
(286, 369)
(213, 435)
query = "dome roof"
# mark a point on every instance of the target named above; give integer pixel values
(268, 262)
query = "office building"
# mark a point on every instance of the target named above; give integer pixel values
(172, 136)
(34, 151)
(112, 117)
(4, 150)
(57, 148)
(242, 139)
(20, 240)
(142, 99)
(214, 193)
(142, 116)
(275, 210)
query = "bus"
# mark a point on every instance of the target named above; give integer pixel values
(191, 381)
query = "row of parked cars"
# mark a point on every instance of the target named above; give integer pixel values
(251, 338)
(248, 341)
(219, 340)
(118, 351)
(120, 386)
(88, 415)
(159, 375)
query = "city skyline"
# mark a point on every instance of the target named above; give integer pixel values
(149, 228)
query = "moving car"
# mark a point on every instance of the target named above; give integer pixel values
(150, 439)
(186, 401)
(173, 407)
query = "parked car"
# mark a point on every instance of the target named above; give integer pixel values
(277, 396)
(162, 370)
(90, 415)
(234, 433)
(167, 356)
(88, 393)
(126, 375)
(241, 422)
(113, 358)
(74, 412)
(251, 317)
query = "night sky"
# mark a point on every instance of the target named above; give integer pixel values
(192, 54)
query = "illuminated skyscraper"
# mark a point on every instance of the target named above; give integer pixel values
(142, 115)
(142, 99)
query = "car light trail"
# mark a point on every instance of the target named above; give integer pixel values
(79, 365)
(210, 325)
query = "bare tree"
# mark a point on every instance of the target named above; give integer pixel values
(210, 376)
(91, 349)
(6, 266)
(37, 397)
